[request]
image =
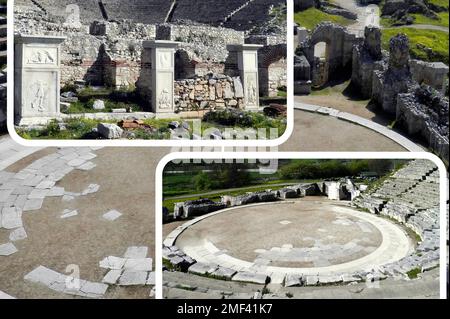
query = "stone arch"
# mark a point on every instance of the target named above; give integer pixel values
(272, 68)
(338, 55)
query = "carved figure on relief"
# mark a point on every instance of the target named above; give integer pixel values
(39, 93)
(164, 100)
(251, 92)
(41, 57)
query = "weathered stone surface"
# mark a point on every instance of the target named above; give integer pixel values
(133, 278)
(293, 280)
(112, 277)
(18, 234)
(98, 105)
(112, 215)
(7, 249)
(202, 269)
(137, 265)
(224, 273)
(109, 131)
(251, 278)
(136, 252)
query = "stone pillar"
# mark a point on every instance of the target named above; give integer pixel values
(157, 80)
(37, 78)
(247, 63)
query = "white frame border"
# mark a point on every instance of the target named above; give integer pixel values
(150, 143)
(295, 155)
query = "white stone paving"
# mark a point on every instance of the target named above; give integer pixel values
(4, 296)
(18, 234)
(67, 213)
(66, 284)
(26, 190)
(7, 249)
(112, 215)
(134, 269)
(395, 246)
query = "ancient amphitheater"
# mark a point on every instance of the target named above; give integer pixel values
(389, 84)
(312, 240)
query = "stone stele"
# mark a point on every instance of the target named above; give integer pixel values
(37, 77)
(247, 58)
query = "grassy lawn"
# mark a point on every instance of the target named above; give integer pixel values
(421, 19)
(81, 128)
(181, 184)
(436, 40)
(169, 203)
(441, 3)
(310, 18)
(442, 21)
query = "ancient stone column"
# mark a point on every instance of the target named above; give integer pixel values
(158, 75)
(247, 63)
(37, 78)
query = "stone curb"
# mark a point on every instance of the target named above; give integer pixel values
(397, 138)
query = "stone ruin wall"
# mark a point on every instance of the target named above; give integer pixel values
(405, 88)
(208, 93)
(339, 51)
(110, 52)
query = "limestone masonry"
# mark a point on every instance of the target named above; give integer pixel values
(108, 45)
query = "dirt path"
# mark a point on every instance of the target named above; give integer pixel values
(320, 133)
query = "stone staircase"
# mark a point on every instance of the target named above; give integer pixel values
(228, 17)
(185, 285)
(37, 4)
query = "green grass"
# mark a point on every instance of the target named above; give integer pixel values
(441, 21)
(414, 273)
(441, 3)
(170, 202)
(421, 19)
(76, 129)
(436, 40)
(310, 18)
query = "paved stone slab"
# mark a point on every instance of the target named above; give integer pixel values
(44, 275)
(112, 215)
(93, 289)
(293, 280)
(112, 277)
(67, 213)
(93, 188)
(68, 198)
(251, 278)
(76, 162)
(33, 204)
(224, 273)
(133, 278)
(312, 280)
(46, 184)
(112, 262)
(4, 296)
(59, 282)
(202, 269)
(11, 218)
(56, 192)
(87, 166)
(142, 264)
(18, 234)
(8, 249)
(136, 252)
